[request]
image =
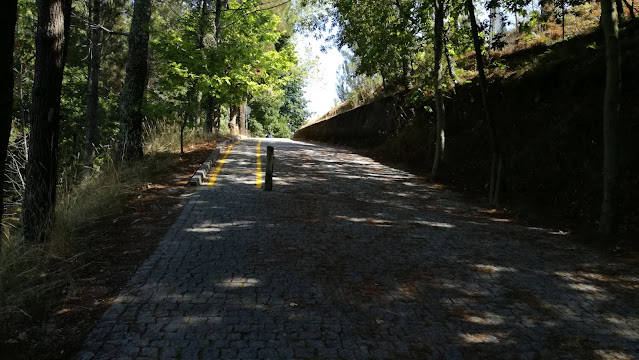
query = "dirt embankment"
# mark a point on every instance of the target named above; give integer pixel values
(547, 104)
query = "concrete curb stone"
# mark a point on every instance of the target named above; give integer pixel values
(198, 178)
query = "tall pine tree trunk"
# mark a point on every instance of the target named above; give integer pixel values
(204, 13)
(7, 29)
(608, 220)
(437, 76)
(218, 18)
(95, 59)
(211, 103)
(52, 40)
(497, 161)
(132, 96)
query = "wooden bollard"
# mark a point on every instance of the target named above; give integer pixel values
(268, 182)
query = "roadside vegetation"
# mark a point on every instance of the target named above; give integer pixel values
(425, 51)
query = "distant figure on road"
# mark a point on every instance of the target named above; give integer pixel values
(268, 135)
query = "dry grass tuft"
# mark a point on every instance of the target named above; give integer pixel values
(30, 273)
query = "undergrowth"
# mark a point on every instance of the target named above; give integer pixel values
(29, 274)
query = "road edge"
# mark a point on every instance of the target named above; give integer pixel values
(198, 178)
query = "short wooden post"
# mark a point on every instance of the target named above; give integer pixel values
(268, 182)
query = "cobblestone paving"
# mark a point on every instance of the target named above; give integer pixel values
(347, 258)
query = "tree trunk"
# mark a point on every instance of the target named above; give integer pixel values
(608, 220)
(24, 112)
(563, 22)
(211, 104)
(242, 118)
(204, 13)
(405, 72)
(631, 8)
(452, 73)
(217, 117)
(187, 115)
(234, 111)
(7, 29)
(451, 65)
(95, 58)
(182, 127)
(210, 114)
(42, 168)
(492, 18)
(218, 18)
(132, 96)
(437, 76)
(495, 173)
(203, 5)
(198, 109)
(620, 14)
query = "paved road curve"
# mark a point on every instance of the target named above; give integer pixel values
(347, 258)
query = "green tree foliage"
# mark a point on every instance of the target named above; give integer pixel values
(251, 57)
(279, 112)
(293, 110)
(350, 84)
(385, 36)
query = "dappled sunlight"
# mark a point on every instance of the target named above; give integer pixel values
(559, 232)
(239, 282)
(484, 319)
(585, 287)
(490, 269)
(342, 254)
(501, 220)
(432, 224)
(203, 230)
(547, 231)
(379, 222)
(612, 355)
(479, 339)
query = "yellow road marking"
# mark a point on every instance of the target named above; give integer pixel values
(258, 179)
(219, 166)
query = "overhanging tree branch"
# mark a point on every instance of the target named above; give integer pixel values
(256, 10)
(112, 32)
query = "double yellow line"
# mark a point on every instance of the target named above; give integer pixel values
(258, 178)
(222, 162)
(218, 169)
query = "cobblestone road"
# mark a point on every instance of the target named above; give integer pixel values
(347, 258)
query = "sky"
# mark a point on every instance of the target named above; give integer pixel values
(320, 89)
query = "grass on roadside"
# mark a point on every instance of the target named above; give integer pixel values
(29, 275)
